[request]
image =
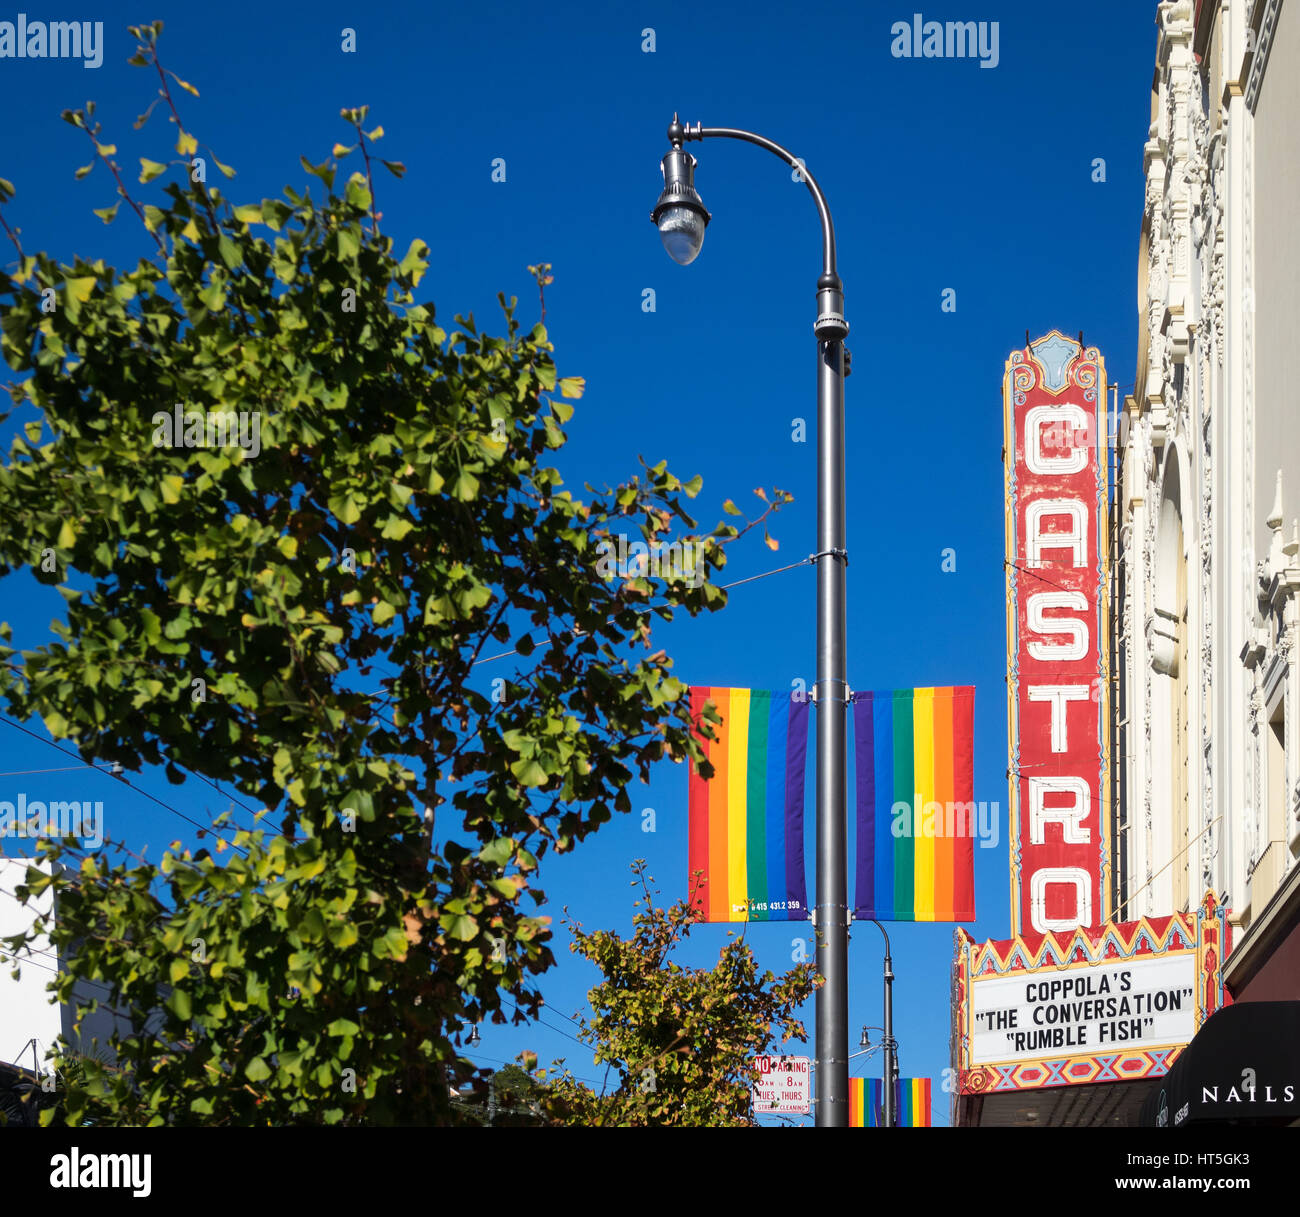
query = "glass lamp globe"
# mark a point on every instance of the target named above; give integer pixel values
(681, 229)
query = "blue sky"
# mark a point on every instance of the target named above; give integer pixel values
(940, 175)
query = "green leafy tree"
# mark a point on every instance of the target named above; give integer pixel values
(300, 616)
(682, 1039)
(510, 1098)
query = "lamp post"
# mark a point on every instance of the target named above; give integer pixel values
(890, 1044)
(681, 218)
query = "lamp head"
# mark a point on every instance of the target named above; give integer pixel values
(680, 214)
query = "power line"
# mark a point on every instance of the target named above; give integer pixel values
(206, 828)
(1026, 570)
(576, 632)
(497, 1061)
(93, 765)
(558, 1031)
(18, 773)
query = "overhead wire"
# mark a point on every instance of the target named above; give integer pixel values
(650, 608)
(206, 828)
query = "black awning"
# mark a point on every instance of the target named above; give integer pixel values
(1242, 1065)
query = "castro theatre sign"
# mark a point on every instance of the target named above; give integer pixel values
(1069, 998)
(1054, 394)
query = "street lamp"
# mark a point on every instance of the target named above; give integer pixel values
(889, 1043)
(679, 213)
(681, 218)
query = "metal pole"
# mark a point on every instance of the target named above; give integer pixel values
(832, 689)
(831, 919)
(890, 1044)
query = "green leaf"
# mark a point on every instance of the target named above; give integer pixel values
(462, 927)
(179, 1004)
(357, 193)
(342, 934)
(529, 772)
(79, 289)
(396, 527)
(572, 386)
(213, 297)
(466, 487)
(498, 852)
(414, 264)
(257, 1070)
(55, 723)
(150, 169)
(324, 171)
(229, 251)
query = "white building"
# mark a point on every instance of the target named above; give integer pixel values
(30, 1020)
(1208, 723)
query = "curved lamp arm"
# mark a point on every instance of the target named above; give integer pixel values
(679, 133)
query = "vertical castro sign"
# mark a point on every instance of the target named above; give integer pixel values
(1054, 394)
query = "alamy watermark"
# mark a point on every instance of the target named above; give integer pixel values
(56, 819)
(131, 1172)
(933, 820)
(682, 560)
(23, 39)
(216, 429)
(918, 39)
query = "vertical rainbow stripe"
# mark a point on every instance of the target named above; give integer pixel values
(867, 1103)
(915, 746)
(745, 858)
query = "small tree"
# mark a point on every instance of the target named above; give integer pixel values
(682, 1039)
(509, 1098)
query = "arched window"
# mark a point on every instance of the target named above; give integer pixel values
(1171, 736)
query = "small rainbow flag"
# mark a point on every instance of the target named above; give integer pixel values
(914, 762)
(746, 822)
(867, 1103)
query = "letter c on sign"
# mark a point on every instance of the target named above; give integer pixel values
(1069, 416)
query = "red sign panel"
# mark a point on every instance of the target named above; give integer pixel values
(1054, 394)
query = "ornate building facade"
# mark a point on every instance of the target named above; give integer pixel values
(1207, 723)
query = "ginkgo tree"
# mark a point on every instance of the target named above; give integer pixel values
(306, 623)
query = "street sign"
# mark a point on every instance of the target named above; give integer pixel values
(785, 1087)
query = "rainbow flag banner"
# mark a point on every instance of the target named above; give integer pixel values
(914, 764)
(746, 822)
(867, 1103)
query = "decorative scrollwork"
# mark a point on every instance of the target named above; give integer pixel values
(1022, 377)
(1085, 376)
